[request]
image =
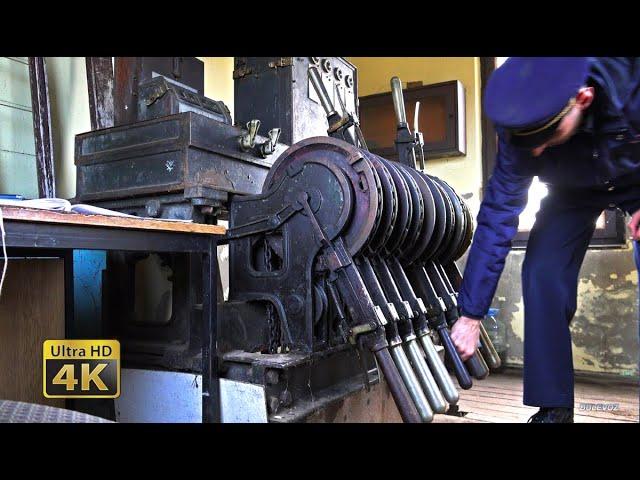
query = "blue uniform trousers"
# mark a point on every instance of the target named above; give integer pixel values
(556, 248)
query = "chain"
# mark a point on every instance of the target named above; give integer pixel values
(272, 320)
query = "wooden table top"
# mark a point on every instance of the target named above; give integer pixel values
(48, 216)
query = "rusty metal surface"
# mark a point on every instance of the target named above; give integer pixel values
(186, 155)
(100, 86)
(326, 209)
(130, 72)
(276, 90)
(159, 97)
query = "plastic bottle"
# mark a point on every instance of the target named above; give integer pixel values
(496, 329)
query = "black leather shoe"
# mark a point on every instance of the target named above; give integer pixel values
(553, 415)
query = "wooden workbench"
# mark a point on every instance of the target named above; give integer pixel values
(48, 216)
(42, 233)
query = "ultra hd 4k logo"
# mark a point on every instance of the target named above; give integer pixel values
(81, 368)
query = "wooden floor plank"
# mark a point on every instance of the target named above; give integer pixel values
(599, 394)
(498, 399)
(627, 393)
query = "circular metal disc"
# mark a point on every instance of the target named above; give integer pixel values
(357, 169)
(449, 221)
(440, 227)
(389, 208)
(466, 242)
(401, 225)
(417, 213)
(459, 224)
(415, 251)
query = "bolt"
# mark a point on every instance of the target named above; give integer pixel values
(285, 398)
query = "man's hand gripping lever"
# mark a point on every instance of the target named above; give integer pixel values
(475, 363)
(436, 317)
(365, 327)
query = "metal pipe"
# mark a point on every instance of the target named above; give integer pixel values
(429, 385)
(439, 371)
(411, 382)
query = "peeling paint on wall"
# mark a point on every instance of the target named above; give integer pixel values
(605, 327)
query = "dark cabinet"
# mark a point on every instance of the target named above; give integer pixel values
(441, 119)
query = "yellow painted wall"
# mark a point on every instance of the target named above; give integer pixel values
(218, 79)
(374, 73)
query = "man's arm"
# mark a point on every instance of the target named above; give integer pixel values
(505, 199)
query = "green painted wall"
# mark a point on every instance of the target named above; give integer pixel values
(69, 116)
(17, 147)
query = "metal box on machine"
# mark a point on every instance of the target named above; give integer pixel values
(277, 90)
(181, 166)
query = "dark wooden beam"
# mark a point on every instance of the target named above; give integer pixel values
(100, 83)
(489, 137)
(42, 127)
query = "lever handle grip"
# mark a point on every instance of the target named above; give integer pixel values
(398, 390)
(477, 366)
(398, 102)
(416, 118)
(488, 350)
(464, 380)
(439, 370)
(411, 382)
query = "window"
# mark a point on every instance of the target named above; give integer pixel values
(610, 226)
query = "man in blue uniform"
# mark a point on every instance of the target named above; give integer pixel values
(574, 123)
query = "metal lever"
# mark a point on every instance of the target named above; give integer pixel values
(398, 103)
(338, 124)
(354, 119)
(405, 141)
(269, 146)
(248, 140)
(421, 281)
(419, 139)
(323, 95)
(487, 349)
(418, 394)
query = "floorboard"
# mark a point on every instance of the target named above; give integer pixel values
(498, 399)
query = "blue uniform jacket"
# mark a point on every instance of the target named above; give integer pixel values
(604, 152)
